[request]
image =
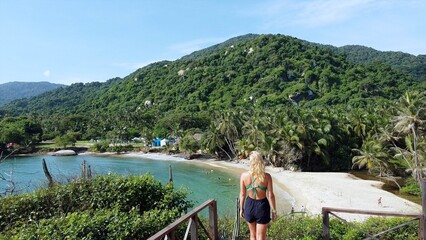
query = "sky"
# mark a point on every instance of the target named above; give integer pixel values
(70, 41)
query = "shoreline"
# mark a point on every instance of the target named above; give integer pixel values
(308, 190)
(314, 190)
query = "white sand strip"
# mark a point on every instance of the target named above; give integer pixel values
(314, 190)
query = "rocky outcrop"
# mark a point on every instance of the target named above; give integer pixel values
(64, 153)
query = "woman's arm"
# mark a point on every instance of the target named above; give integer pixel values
(242, 195)
(271, 197)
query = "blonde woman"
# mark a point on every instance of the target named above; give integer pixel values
(257, 199)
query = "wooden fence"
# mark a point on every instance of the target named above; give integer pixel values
(326, 211)
(169, 232)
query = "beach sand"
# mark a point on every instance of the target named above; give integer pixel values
(314, 190)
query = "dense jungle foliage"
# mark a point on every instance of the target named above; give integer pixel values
(304, 106)
(268, 68)
(414, 65)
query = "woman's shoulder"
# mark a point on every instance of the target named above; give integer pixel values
(245, 174)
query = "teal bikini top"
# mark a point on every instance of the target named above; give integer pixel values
(251, 186)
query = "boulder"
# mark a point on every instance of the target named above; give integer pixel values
(64, 153)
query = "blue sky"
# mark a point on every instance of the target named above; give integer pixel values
(68, 41)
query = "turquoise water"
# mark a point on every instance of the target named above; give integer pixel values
(204, 182)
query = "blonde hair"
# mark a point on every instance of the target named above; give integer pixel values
(257, 166)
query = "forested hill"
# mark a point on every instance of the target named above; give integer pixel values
(16, 90)
(271, 70)
(415, 65)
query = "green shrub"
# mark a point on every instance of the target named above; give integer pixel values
(226, 227)
(120, 148)
(296, 227)
(305, 227)
(100, 147)
(378, 224)
(411, 187)
(189, 143)
(101, 224)
(102, 192)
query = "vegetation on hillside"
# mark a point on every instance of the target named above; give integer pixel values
(304, 106)
(273, 70)
(414, 65)
(17, 90)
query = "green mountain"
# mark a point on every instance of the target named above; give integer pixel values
(414, 65)
(269, 70)
(16, 90)
(217, 47)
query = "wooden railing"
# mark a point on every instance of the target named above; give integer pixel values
(326, 211)
(169, 232)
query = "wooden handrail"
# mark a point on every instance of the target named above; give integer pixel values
(368, 212)
(213, 234)
(328, 210)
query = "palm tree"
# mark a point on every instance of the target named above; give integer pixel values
(213, 140)
(244, 147)
(372, 155)
(270, 149)
(358, 120)
(409, 124)
(253, 133)
(227, 126)
(255, 126)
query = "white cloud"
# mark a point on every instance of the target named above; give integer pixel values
(317, 13)
(46, 73)
(311, 13)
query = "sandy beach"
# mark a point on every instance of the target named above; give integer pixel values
(314, 190)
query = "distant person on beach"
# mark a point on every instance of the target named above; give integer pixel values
(379, 202)
(257, 199)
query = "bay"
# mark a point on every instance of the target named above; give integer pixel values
(203, 182)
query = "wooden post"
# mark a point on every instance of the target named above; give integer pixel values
(171, 235)
(170, 174)
(325, 225)
(213, 234)
(89, 172)
(422, 228)
(83, 169)
(213, 220)
(47, 173)
(194, 225)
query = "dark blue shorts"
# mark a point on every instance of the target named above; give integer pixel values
(258, 211)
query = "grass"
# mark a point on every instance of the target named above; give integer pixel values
(88, 144)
